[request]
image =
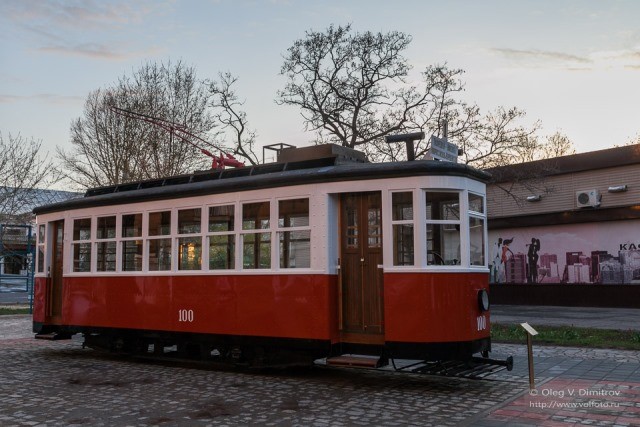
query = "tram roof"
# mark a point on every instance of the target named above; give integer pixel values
(257, 177)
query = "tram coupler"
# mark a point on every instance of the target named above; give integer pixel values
(508, 362)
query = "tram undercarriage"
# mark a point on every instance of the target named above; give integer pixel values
(262, 353)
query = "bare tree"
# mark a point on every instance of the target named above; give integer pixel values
(496, 139)
(556, 145)
(351, 87)
(530, 177)
(232, 119)
(440, 106)
(109, 148)
(22, 169)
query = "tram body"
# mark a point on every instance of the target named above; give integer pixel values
(274, 264)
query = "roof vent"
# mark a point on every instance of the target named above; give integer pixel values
(324, 151)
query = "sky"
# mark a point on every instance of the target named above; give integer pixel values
(573, 65)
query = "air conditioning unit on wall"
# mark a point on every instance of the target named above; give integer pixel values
(588, 198)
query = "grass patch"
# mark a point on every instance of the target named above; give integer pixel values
(14, 310)
(568, 336)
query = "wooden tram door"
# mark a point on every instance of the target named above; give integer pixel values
(361, 303)
(54, 285)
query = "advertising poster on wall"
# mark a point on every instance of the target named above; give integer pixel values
(600, 253)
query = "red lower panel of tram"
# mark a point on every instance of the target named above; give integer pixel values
(418, 307)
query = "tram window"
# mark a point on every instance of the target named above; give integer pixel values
(294, 245)
(160, 223)
(402, 206)
(293, 213)
(159, 254)
(82, 229)
(295, 249)
(443, 206)
(132, 225)
(81, 247)
(402, 244)
(221, 252)
(189, 221)
(132, 255)
(256, 250)
(443, 227)
(476, 203)
(476, 232)
(256, 247)
(41, 234)
(222, 243)
(221, 218)
(40, 258)
(106, 227)
(402, 222)
(374, 226)
(189, 253)
(106, 252)
(255, 216)
(41, 245)
(82, 257)
(352, 227)
(443, 244)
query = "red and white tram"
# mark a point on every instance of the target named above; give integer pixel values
(317, 255)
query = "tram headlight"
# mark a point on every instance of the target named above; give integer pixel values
(483, 300)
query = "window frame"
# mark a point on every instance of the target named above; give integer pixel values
(244, 232)
(483, 217)
(96, 241)
(79, 242)
(41, 257)
(177, 237)
(233, 233)
(403, 222)
(281, 230)
(148, 238)
(122, 240)
(462, 260)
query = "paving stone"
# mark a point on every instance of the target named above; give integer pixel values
(58, 383)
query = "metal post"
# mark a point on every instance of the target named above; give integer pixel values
(411, 152)
(530, 333)
(408, 139)
(532, 381)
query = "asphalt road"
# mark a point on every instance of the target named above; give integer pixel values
(583, 317)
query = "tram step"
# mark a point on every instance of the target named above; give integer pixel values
(53, 336)
(355, 361)
(476, 368)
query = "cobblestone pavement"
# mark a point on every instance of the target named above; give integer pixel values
(59, 383)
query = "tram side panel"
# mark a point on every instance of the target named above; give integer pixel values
(436, 308)
(39, 299)
(283, 306)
